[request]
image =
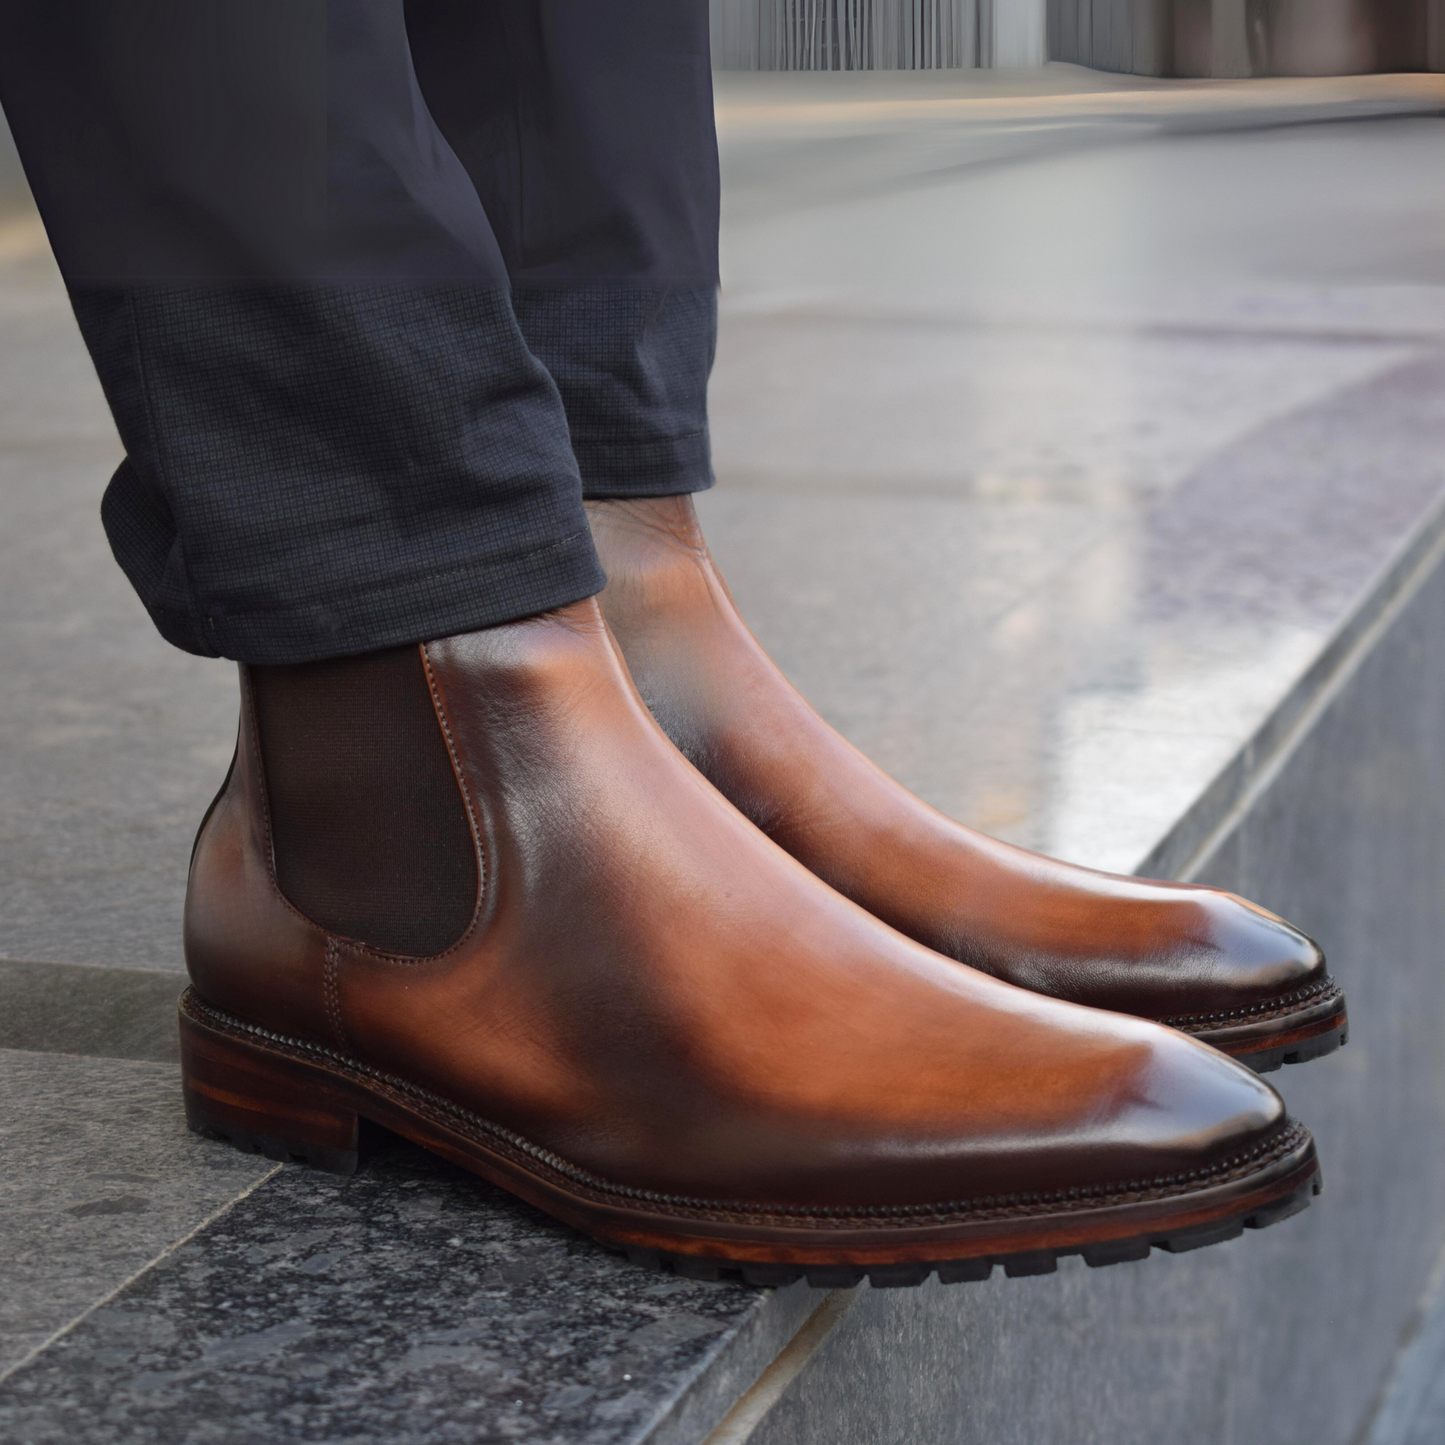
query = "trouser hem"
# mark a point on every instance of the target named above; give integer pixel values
(419, 608)
(645, 469)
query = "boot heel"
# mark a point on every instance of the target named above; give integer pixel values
(262, 1101)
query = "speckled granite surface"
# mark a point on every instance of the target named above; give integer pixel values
(410, 1302)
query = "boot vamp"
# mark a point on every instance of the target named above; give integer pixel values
(1157, 950)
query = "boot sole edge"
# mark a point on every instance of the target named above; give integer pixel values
(1297, 1038)
(296, 1102)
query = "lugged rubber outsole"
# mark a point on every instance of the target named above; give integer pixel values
(1266, 1061)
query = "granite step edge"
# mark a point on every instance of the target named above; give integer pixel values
(739, 1361)
(1187, 846)
(90, 1010)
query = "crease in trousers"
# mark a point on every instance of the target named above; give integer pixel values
(378, 291)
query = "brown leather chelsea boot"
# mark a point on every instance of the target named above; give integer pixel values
(1203, 961)
(471, 892)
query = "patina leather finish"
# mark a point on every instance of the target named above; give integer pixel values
(664, 1028)
(1203, 960)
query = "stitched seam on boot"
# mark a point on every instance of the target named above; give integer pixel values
(331, 987)
(1291, 1003)
(439, 707)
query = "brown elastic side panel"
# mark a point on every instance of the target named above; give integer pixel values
(368, 824)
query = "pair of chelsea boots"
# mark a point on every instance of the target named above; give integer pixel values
(594, 905)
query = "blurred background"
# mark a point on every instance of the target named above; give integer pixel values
(1145, 37)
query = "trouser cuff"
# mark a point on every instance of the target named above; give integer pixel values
(632, 365)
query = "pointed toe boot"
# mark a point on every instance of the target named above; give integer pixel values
(469, 891)
(1202, 961)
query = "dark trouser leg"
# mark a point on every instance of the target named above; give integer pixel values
(337, 437)
(588, 133)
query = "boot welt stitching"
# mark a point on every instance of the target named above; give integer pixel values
(1274, 1008)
